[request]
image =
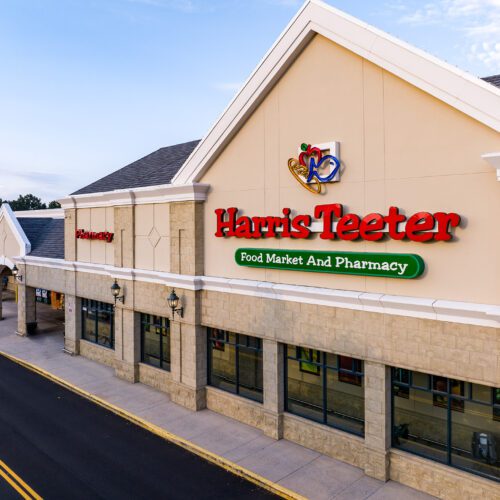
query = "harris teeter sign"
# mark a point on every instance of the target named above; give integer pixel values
(383, 265)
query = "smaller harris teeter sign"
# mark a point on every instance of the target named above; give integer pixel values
(383, 265)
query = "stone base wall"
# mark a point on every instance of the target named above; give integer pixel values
(440, 480)
(97, 353)
(127, 371)
(241, 409)
(192, 399)
(154, 377)
(325, 440)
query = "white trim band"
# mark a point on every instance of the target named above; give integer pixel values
(416, 307)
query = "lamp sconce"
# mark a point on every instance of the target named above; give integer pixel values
(115, 291)
(173, 302)
(15, 273)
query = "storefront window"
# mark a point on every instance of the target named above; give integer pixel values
(155, 341)
(326, 388)
(235, 363)
(447, 420)
(98, 322)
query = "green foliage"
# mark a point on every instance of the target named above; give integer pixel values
(29, 202)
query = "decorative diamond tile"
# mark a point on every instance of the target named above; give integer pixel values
(154, 237)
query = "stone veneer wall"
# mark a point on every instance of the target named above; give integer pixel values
(241, 409)
(325, 440)
(155, 377)
(440, 480)
(97, 353)
(466, 352)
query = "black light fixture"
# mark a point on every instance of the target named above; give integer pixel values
(173, 302)
(115, 291)
(15, 273)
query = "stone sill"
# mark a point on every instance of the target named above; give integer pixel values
(98, 346)
(159, 371)
(445, 469)
(324, 428)
(220, 392)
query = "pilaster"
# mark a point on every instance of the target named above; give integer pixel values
(377, 420)
(273, 372)
(26, 307)
(188, 365)
(127, 344)
(69, 234)
(124, 236)
(72, 323)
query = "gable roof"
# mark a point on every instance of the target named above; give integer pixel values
(459, 89)
(152, 170)
(46, 236)
(494, 80)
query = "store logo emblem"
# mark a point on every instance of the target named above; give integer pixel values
(312, 169)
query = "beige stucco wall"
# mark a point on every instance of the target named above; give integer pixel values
(398, 146)
(96, 220)
(9, 246)
(152, 237)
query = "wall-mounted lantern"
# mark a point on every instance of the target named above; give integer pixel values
(173, 302)
(15, 273)
(115, 291)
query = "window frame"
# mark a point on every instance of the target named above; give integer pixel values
(323, 366)
(219, 344)
(451, 406)
(96, 307)
(168, 331)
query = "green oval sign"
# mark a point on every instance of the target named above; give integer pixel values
(383, 265)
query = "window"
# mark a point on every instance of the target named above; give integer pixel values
(447, 420)
(155, 341)
(98, 322)
(325, 387)
(235, 363)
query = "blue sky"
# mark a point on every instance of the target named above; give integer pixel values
(88, 86)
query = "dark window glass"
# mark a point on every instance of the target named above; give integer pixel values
(450, 421)
(98, 322)
(155, 341)
(326, 388)
(235, 363)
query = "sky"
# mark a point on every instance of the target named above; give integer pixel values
(88, 86)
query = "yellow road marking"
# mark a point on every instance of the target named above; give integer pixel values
(226, 464)
(30, 490)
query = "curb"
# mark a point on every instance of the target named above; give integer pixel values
(164, 434)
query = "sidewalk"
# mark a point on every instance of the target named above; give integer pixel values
(301, 470)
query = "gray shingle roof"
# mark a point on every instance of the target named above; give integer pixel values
(494, 80)
(45, 235)
(152, 170)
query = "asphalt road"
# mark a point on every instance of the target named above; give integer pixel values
(65, 447)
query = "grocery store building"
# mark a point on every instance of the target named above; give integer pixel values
(333, 243)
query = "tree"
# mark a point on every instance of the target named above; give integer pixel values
(26, 202)
(54, 204)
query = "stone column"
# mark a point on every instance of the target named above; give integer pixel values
(72, 323)
(127, 344)
(26, 308)
(377, 420)
(274, 404)
(188, 365)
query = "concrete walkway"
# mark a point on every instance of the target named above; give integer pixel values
(295, 467)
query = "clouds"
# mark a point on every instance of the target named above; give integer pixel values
(477, 20)
(46, 185)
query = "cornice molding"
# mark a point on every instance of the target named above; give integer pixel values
(416, 307)
(140, 196)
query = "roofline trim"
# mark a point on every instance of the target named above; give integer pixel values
(457, 88)
(139, 196)
(49, 213)
(21, 238)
